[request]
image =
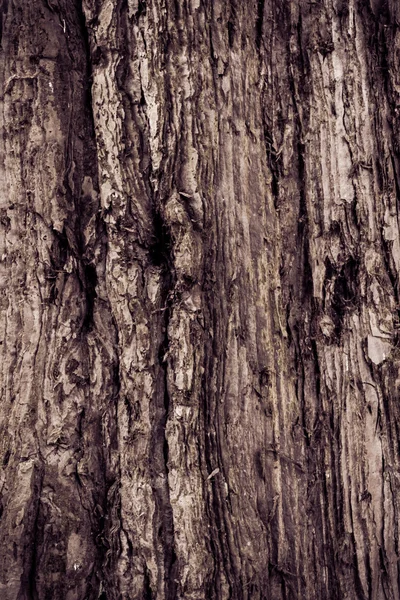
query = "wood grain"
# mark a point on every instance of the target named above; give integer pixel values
(199, 299)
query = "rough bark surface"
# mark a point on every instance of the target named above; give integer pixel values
(199, 273)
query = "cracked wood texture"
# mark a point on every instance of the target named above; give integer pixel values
(199, 298)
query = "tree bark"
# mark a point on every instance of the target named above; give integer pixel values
(200, 260)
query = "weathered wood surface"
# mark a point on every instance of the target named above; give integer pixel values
(200, 292)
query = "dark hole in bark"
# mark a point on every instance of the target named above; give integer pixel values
(354, 214)
(259, 22)
(141, 8)
(161, 247)
(165, 443)
(90, 283)
(6, 458)
(334, 229)
(344, 295)
(345, 290)
(275, 188)
(59, 251)
(147, 593)
(130, 548)
(231, 33)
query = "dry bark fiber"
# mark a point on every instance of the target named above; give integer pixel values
(199, 292)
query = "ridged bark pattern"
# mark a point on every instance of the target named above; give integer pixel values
(199, 273)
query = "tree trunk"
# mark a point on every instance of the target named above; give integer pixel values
(200, 260)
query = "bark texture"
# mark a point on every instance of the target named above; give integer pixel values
(199, 273)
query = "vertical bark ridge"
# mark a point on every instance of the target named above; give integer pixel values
(53, 482)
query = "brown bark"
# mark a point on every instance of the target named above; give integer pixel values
(200, 294)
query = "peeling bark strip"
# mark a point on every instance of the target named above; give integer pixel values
(200, 299)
